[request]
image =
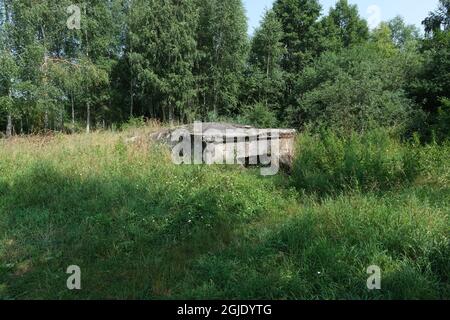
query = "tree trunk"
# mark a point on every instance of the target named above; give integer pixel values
(164, 113)
(46, 121)
(61, 120)
(132, 83)
(88, 119)
(9, 120)
(9, 126)
(171, 113)
(131, 98)
(73, 115)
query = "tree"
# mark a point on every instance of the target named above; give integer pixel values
(265, 80)
(8, 67)
(162, 53)
(435, 75)
(267, 47)
(301, 32)
(359, 88)
(223, 48)
(403, 35)
(382, 37)
(8, 77)
(68, 76)
(33, 39)
(441, 123)
(98, 47)
(438, 20)
(431, 87)
(301, 40)
(344, 27)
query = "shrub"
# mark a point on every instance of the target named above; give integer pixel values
(261, 116)
(442, 123)
(357, 89)
(134, 122)
(327, 163)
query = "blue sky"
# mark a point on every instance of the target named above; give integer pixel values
(413, 11)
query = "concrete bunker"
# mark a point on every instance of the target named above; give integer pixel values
(231, 143)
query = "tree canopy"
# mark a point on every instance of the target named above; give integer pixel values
(179, 61)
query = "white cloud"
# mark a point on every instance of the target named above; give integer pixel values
(374, 18)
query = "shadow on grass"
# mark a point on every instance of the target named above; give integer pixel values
(149, 237)
(131, 238)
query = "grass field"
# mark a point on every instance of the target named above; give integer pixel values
(140, 227)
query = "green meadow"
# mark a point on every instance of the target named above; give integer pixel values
(141, 227)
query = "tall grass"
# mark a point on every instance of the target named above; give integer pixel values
(329, 164)
(142, 228)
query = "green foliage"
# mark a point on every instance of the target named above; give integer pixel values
(403, 35)
(301, 40)
(382, 36)
(265, 78)
(142, 228)
(438, 20)
(192, 60)
(343, 27)
(434, 80)
(259, 115)
(8, 78)
(267, 49)
(356, 89)
(222, 44)
(329, 164)
(59, 68)
(441, 127)
(301, 31)
(431, 86)
(162, 55)
(134, 122)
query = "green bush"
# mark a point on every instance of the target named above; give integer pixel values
(134, 122)
(261, 116)
(442, 124)
(327, 163)
(357, 89)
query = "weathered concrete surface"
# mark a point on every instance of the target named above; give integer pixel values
(221, 135)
